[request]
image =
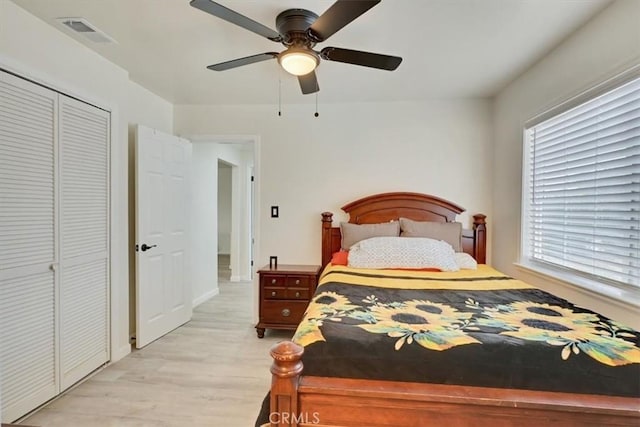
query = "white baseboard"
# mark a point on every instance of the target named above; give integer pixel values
(202, 298)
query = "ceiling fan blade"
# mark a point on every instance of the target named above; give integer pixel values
(356, 57)
(222, 66)
(309, 83)
(233, 17)
(341, 13)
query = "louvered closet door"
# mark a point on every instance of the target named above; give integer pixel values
(27, 246)
(84, 243)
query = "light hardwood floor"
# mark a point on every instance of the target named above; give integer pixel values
(213, 371)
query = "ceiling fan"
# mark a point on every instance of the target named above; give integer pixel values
(299, 30)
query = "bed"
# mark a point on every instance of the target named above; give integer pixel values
(481, 362)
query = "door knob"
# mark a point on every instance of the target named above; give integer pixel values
(146, 247)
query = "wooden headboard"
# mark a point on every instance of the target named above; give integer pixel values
(391, 206)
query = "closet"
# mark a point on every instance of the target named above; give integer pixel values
(54, 243)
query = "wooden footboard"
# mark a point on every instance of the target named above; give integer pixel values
(305, 401)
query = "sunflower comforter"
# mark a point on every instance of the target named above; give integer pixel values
(472, 327)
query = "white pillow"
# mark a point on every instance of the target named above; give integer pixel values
(466, 261)
(403, 252)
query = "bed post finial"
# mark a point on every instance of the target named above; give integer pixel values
(327, 219)
(285, 370)
(479, 219)
(327, 222)
(480, 238)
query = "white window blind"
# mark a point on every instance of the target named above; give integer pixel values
(582, 191)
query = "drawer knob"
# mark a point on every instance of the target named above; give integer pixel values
(286, 312)
(273, 293)
(297, 294)
(273, 281)
(298, 282)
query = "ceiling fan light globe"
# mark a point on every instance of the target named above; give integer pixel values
(298, 62)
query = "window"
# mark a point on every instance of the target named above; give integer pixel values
(581, 189)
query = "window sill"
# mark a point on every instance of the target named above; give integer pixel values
(626, 298)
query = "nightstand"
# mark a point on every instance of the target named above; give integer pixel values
(285, 292)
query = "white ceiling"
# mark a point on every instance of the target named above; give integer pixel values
(451, 48)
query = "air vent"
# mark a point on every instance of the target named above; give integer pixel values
(86, 29)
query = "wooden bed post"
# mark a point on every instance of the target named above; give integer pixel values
(285, 370)
(327, 221)
(480, 241)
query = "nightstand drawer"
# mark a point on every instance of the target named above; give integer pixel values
(273, 281)
(289, 312)
(274, 293)
(298, 281)
(298, 293)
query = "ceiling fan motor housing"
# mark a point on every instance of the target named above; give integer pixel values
(292, 24)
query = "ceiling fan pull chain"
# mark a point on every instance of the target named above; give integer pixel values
(316, 114)
(279, 95)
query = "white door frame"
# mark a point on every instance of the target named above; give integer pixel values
(236, 222)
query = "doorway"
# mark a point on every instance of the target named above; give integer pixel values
(222, 245)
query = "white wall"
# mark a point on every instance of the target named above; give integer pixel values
(204, 217)
(606, 45)
(308, 165)
(34, 49)
(224, 210)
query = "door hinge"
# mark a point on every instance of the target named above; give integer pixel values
(252, 178)
(251, 263)
(132, 339)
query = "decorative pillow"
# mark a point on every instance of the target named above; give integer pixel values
(450, 232)
(400, 252)
(466, 261)
(353, 233)
(340, 258)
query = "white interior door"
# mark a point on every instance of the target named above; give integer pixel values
(54, 243)
(28, 215)
(84, 239)
(163, 288)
